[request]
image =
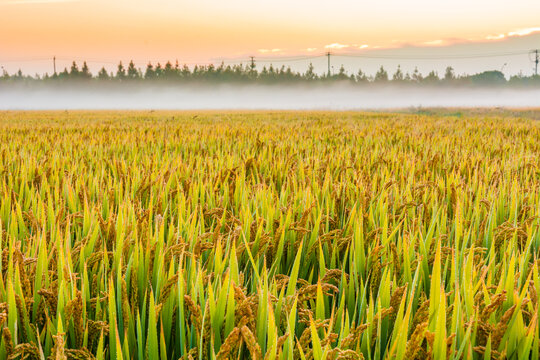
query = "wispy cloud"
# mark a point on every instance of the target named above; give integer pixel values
(395, 44)
(336, 46)
(524, 32)
(495, 37)
(434, 43)
(265, 51)
(515, 33)
(519, 32)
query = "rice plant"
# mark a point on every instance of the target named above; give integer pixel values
(269, 235)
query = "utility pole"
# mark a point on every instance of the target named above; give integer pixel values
(328, 55)
(536, 61)
(54, 64)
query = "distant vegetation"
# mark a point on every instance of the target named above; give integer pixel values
(239, 73)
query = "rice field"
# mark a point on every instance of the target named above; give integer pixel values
(269, 235)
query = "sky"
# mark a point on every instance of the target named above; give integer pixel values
(203, 31)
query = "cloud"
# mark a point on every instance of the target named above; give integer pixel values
(524, 32)
(396, 44)
(336, 46)
(495, 37)
(433, 43)
(264, 51)
(519, 32)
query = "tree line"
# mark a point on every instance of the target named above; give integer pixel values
(268, 74)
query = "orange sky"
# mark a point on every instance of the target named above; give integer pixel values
(204, 30)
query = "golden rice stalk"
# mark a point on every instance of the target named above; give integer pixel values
(338, 354)
(500, 328)
(231, 343)
(395, 259)
(495, 355)
(125, 305)
(195, 311)
(281, 341)
(421, 314)
(95, 329)
(79, 354)
(134, 288)
(25, 351)
(50, 299)
(20, 311)
(329, 339)
(310, 292)
(58, 351)
(415, 342)
(8, 341)
(533, 294)
(334, 275)
(191, 355)
(496, 301)
(3, 317)
(354, 336)
(78, 319)
(396, 298)
(167, 288)
(251, 343)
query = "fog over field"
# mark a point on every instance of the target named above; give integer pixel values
(254, 97)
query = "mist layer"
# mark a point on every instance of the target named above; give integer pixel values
(229, 97)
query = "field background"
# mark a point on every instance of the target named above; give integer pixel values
(305, 235)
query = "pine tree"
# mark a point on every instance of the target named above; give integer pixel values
(85, 72)
(186, 73)
(120, 72)
(102, 74)
(398, 76)
(149, 73)
(417, 76)
(310, 73)
(361, 76)
(159, 71)
(132, 72)
(381, 75)
(64, 74)
(74, 71)
(432, 77)
(168, 71)
(219, 70)
(449, 74)
(272, 74)
(342, 73)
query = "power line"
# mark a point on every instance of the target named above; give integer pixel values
(303, 57)
(25, 60)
